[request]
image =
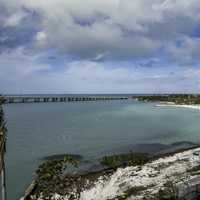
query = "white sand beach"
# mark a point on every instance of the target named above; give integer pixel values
(152, 176)
(195, 107)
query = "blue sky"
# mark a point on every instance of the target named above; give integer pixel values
(97, 46)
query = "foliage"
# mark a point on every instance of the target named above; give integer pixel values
(2, 124)
(176, 98)
(2, 100)
(194, 170)
(49, 174)
(168, 192)
(128, 193)
(131, 159)
(1, 113)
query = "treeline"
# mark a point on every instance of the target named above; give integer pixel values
(175, 98)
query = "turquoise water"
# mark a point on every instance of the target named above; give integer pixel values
(91, 129)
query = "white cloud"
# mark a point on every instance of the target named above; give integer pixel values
(22, 73)
(126, 29)
(96, 33)
(17, 65)
(41, 36)
(15, 19)
(186, 51)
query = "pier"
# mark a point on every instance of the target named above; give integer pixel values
(45, 99)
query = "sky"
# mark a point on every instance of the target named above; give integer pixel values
(99, 46)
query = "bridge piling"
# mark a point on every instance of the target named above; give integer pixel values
(45, 99)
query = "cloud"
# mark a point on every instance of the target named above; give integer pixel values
(124, 29)
(16, 64)
(18, 27)
(15, 19)
(185, 50)
(24, 73)
(99, 46)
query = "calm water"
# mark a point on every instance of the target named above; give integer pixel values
(91, 129)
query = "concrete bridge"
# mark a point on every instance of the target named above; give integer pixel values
(43, 99)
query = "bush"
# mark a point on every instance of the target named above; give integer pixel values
(131, 159)
(168, 192)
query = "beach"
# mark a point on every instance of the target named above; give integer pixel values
(137, 182)
(195, 107)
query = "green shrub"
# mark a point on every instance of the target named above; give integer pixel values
(49, 173)
(131, 159)
(168, 192)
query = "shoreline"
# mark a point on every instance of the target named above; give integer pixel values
(98, 180)
(148, 179)
(170, 104)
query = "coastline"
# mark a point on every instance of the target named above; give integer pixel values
(176, 167)
(146, 180)
(170, 104)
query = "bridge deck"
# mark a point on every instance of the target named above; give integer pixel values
(39, 99)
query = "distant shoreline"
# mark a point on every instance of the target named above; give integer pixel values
(171, 104)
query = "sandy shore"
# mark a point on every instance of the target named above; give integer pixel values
(195, 107)
(176, 168)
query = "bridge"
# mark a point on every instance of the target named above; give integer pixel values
(45, 99)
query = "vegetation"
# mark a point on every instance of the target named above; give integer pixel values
(128, 193)
(2, 122)
(52, 179)
(168, 192)
(130, 159)
(49, 174)
(194, 171)
(175, 98)
(2, 99)
(2, 134)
